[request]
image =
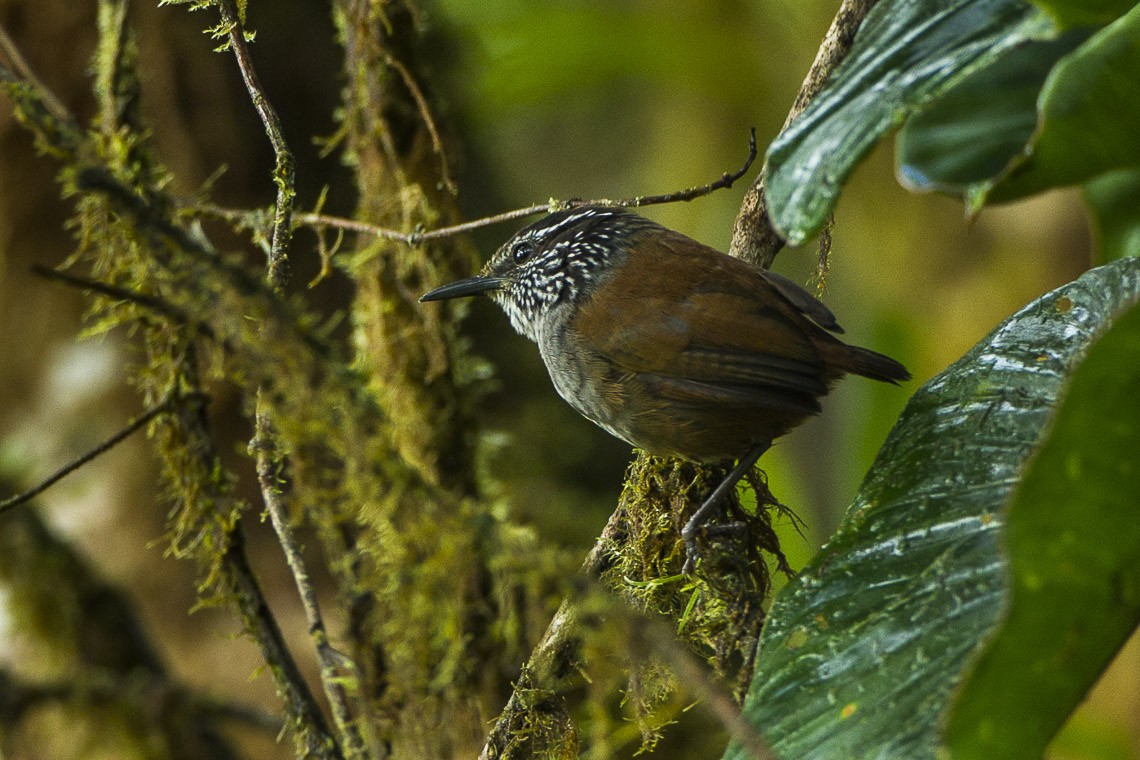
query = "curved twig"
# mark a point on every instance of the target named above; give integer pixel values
(136, 424)
(726, 180)
(332, 681)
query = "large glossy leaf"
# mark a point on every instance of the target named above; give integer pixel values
(1073, 542)
(1114, 204)
(862, 652)
(1089, 115)
(907, 53)
(973, 132)
(1032, 121)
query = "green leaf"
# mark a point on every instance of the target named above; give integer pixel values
(1068, 13)
(1089, 116)
(982, 139)
(1073, 541)
(1114, 203)
(862, 653)
(972, 132)
(907, 53)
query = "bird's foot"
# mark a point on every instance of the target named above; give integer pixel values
(697, 521)
(692, 551)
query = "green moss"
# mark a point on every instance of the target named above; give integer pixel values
(719, 610)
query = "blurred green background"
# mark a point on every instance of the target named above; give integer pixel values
(546, 99)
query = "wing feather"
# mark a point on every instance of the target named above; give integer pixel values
(731, 334)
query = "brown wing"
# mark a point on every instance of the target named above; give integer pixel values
(723, 334)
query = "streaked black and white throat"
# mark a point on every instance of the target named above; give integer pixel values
(553, 264)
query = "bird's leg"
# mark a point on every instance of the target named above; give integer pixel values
(689, 532)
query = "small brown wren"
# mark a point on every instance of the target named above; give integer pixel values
(666, 343)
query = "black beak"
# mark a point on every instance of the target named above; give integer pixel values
(472, 286)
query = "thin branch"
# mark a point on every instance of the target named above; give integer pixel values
(754, 238)
(429, 121)
(153, 303)
(330, 660)
(11, 58)
(291, 686)
(34, 104)
(414, 238)
(726, 180)
(262, 443)
(135, 424)
(284, 171)
(277, 278)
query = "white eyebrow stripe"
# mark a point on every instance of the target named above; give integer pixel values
(585, 213)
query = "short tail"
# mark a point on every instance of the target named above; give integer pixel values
(863, 361)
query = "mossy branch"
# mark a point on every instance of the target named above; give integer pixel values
(151, 242)
(638, 556)
(233, 20)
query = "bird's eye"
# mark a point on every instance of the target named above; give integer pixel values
(522, 252)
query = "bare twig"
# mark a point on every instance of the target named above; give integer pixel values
(726, 180)
(283, 175)
(135, 424)
(429, 120)
(414, 238)
(754, 238)
(331, 661)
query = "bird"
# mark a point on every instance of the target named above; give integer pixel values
(667, 343)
